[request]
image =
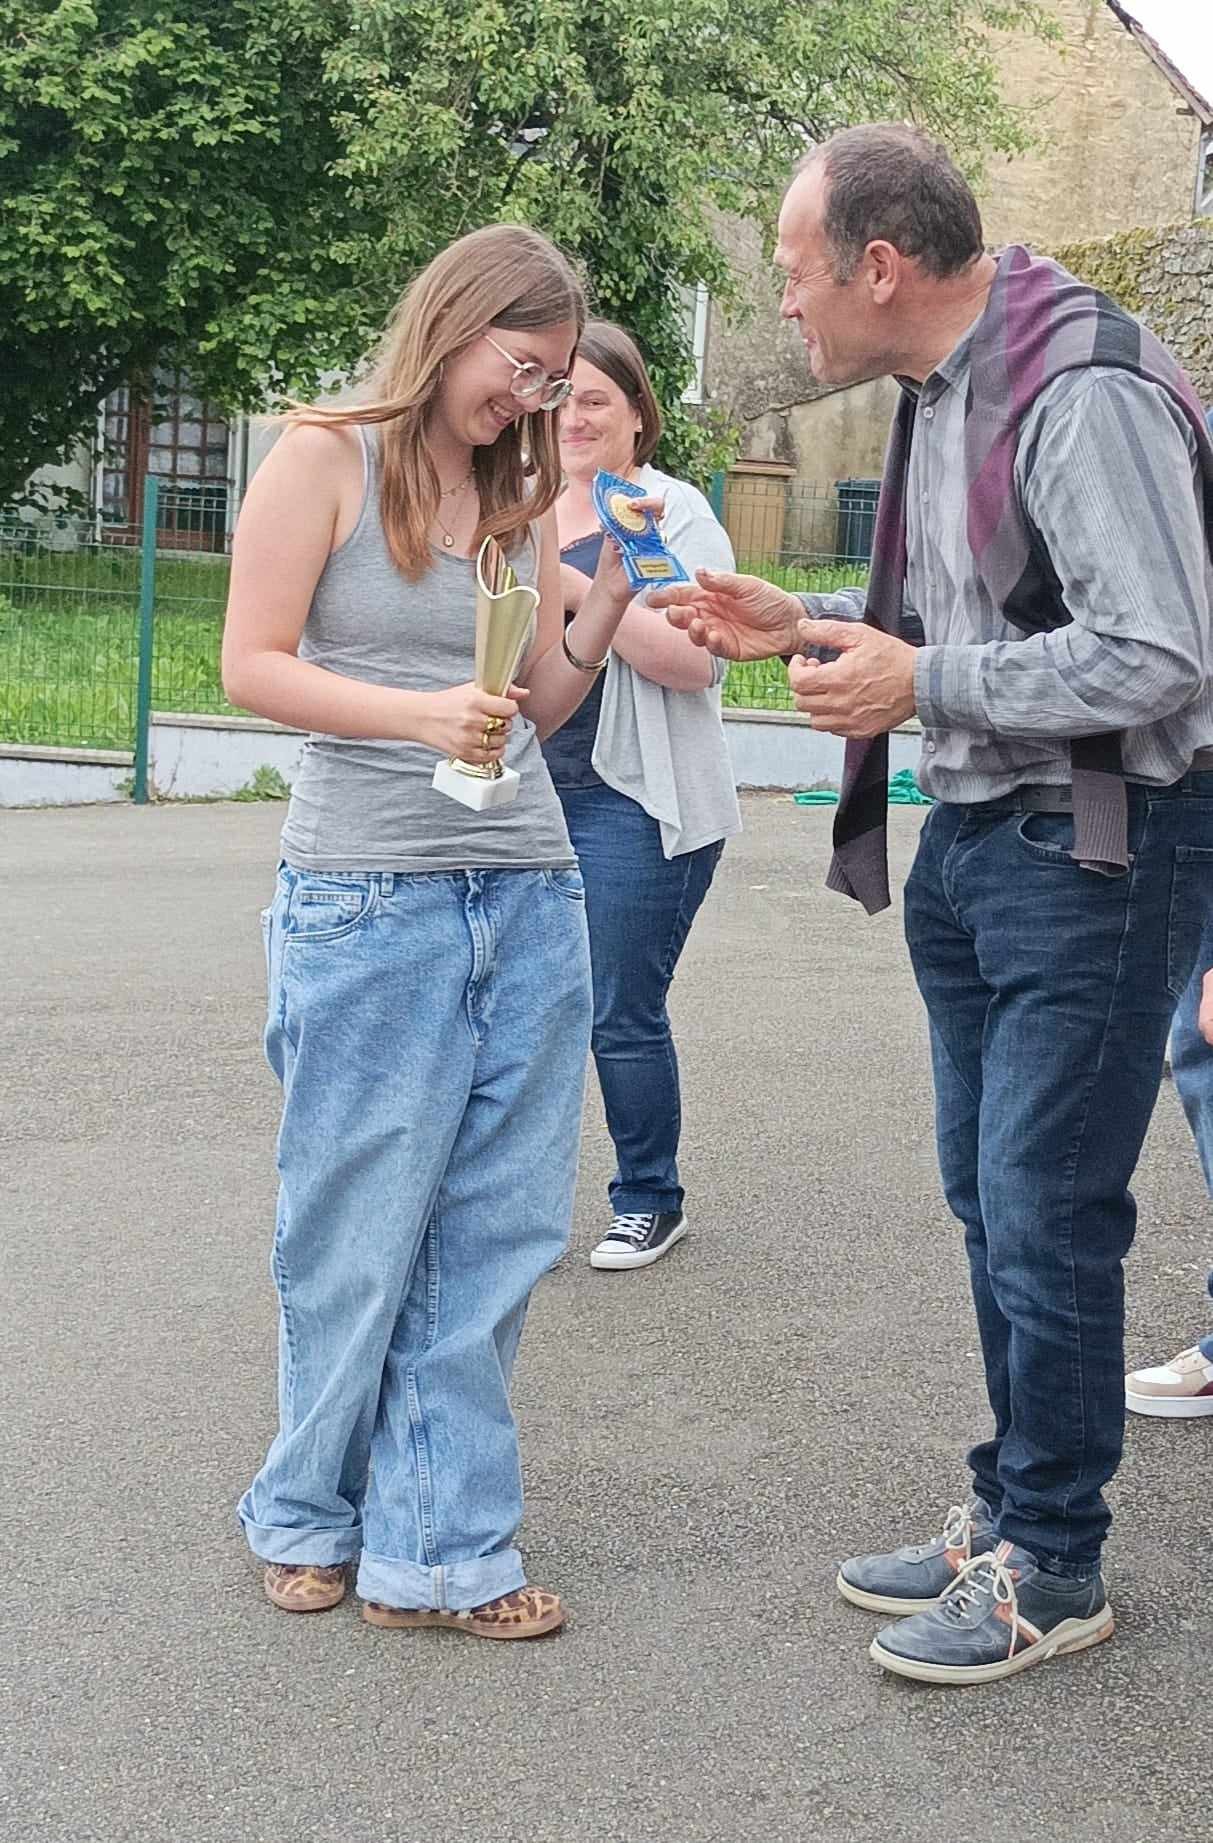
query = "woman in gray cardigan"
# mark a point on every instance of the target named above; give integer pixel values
(643, 774)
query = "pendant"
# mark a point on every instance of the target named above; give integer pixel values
(448, 542)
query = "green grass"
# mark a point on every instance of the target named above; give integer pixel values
(69, 640)
(763, 683)
(69, 674)
(807, 576)
(69, 636)
(109, 571)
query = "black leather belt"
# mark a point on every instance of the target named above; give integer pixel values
(1039, 798)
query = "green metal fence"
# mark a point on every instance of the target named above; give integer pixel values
(68, 637)
(809, 539)
(100, 626)
(191, 577)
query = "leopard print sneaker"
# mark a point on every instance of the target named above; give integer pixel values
(530, 1612)
(305, 1589)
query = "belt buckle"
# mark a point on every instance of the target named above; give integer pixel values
(1041, 799)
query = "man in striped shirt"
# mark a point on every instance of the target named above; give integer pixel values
(1049, 978)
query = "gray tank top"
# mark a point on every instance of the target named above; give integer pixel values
(361, 805)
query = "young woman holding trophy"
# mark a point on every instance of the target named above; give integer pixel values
(396, 566)
(646, 783)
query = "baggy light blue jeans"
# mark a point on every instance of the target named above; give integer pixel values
(431, 1036)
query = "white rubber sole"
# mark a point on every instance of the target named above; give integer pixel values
(1169, 1407)
(1070, 1635)
(611, 1262)
(882, 1603)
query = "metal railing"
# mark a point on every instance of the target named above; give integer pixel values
(807, 538)
(68, 636)
(100, 626)
(190, 568)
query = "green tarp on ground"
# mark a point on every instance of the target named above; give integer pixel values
(903, 791)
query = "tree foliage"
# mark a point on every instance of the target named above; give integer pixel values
(241, 187)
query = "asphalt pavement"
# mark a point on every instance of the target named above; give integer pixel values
(702, 1441)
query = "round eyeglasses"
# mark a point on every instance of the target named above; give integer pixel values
(531, 380)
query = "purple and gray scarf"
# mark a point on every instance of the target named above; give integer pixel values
(1038, 323)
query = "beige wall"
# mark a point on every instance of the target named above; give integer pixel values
(851, 424)
(755, 361)
(74, 476)
(1114, 150)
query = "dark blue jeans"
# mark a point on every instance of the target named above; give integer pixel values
(640, 906)
(1192, 1067)
(1050, 991)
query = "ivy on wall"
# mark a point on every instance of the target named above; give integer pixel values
(1165, 277)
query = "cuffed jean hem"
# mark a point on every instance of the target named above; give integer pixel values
(631, 1202)
(455, 1588)
(1206, 1349)
(301, 1548)
(1054, 1564)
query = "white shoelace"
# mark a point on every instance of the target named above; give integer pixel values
(958, 1526)
(982, 1575)
(634, 1226)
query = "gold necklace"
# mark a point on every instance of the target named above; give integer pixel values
(448, 536)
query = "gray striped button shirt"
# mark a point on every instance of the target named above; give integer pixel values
(1107, 472)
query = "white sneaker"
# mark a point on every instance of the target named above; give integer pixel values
(639, 1238)
(1179, 1390)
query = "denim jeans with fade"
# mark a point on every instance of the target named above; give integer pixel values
(431, 1037)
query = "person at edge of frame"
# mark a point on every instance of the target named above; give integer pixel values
(1182, 1387)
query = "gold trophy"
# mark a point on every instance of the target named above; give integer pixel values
(505, 621)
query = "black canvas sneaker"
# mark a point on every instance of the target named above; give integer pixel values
(639, 1238)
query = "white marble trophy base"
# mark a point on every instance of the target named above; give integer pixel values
(471, 790)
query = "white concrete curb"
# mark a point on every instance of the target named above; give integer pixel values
(199, 757)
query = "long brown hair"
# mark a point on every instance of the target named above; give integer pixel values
(506, 276)
(615, 353)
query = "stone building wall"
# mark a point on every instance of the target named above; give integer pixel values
(1115, 148)
(1165, 277)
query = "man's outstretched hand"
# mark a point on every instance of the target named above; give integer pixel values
(735, 617)
(867, 690)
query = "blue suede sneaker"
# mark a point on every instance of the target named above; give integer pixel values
(910, 1580)
(1002, 1613)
